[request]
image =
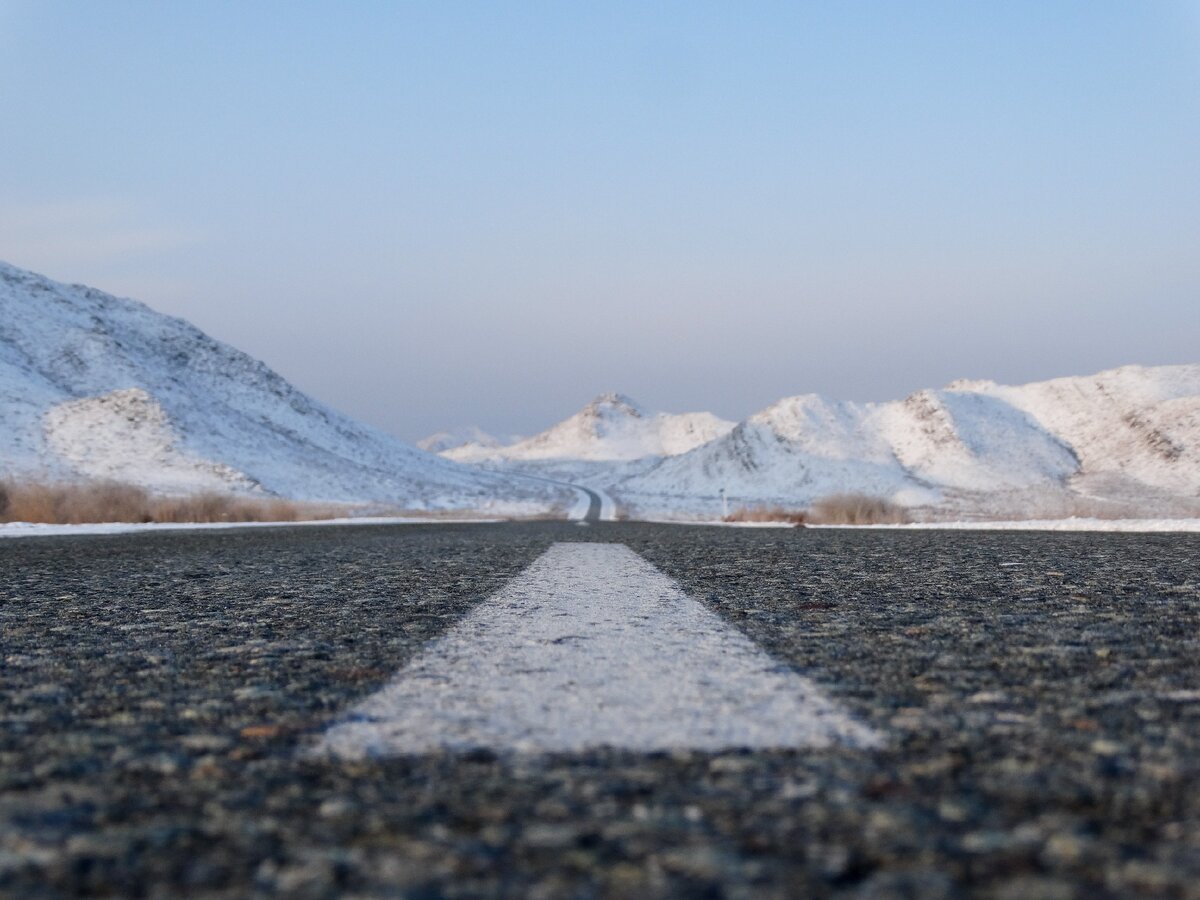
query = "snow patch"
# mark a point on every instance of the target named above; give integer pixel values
(127, 436)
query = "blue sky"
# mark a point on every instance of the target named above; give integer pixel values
(439, 213)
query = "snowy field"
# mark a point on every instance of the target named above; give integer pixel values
(30, 529)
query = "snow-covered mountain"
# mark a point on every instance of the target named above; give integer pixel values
(611, 428)
(96, 386)
(1126, 439)
(467, 436)
(1136, 423)
(1122, 442)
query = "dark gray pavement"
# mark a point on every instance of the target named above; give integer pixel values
(1040, 694)
(595, 504)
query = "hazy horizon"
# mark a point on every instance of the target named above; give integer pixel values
(434, 216)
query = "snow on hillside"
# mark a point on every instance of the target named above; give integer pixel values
(127, 436)
(971, 442)
(93, 385)
(1128, 438)
(610, 428)
(1139, 423)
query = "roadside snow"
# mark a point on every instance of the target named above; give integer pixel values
(38, 529)
(1072, 524)
(32, 529)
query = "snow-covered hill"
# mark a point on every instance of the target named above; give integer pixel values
(1122, 442)
(610, 428)
(468, 436)
(1126, 439)
(96, 386)
(1137, 423)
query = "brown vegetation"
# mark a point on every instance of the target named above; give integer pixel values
(856, 509)
(68, 503)
(766, 514)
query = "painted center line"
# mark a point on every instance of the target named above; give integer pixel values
(592, 646)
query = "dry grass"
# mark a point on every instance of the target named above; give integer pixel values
(72, 503)
(766, 514)
(1102, 508)
(856, 509)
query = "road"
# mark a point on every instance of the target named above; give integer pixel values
(164, 698)
(596, 502)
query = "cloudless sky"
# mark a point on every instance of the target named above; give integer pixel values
(428, 214)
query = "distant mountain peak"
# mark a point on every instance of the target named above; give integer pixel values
(612, 399)
(612, 427)
(452, 438)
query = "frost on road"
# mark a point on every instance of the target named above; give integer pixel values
(592, 646)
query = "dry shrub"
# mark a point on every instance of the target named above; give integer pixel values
(212, 507)
(68, 503)
(28, 503)
(856, 509)
(766, 514)
(105, 502)
(206, 507)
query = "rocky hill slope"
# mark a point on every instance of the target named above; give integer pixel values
(1120, 442)
(95, 386)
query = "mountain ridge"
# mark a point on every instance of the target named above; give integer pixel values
(1123, 440)
(610, 428)
(97, 386)
(1111, 437)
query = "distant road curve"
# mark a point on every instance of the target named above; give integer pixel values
(597, 501)
(594, 504)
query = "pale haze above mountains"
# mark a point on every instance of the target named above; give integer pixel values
(430, 214)
(93, 386)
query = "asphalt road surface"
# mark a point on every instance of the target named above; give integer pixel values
(1021, 715)
(594, 505)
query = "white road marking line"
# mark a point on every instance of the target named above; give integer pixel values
(592, 646)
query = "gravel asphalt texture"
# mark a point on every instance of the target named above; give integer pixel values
(1039, 693)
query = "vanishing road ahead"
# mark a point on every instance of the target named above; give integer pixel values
(594, 505)
(542, 710)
